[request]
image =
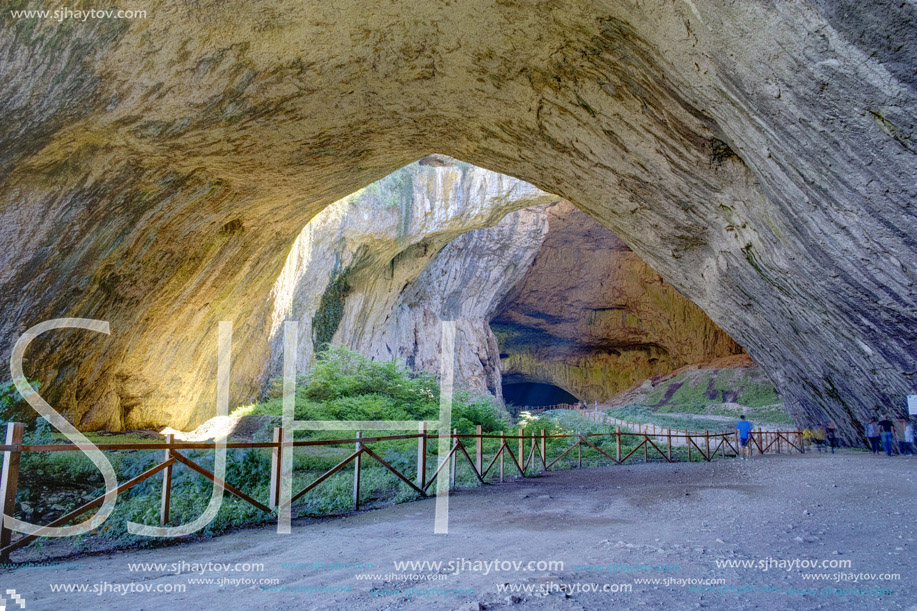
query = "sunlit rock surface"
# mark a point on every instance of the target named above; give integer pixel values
(571, 304)
(760, 156)
(591, 317)
(380, 270)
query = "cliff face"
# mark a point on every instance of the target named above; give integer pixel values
(759, 156)
(571, 304)
(464, 283)
(591, 317)
(378, 271)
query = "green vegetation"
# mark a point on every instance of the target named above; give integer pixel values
(569, 422)
(646, 415)
(13, 407)
(342, 385)
(708, 399)
(704, 392)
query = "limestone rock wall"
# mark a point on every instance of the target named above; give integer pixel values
(464, 283)
(759, 155)
(592, 317)
(378, 271)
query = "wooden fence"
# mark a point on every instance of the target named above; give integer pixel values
(544, 408)
(531, 451)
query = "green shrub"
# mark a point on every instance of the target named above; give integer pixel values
(13, 408)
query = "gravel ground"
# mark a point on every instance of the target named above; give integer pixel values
(612, 528)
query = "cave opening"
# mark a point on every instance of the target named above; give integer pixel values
(535, 394)
(550, 306)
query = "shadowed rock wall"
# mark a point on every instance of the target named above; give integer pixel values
(759, 155)
(591, 317)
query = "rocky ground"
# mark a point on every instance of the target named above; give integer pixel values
(611, 528)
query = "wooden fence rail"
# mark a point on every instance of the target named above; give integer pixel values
(522, 462)
(537, 409)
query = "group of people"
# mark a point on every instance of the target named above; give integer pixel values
(895, 436)
(824, 436)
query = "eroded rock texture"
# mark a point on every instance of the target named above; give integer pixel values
(591, 317)
(759, 155)
(573, 306)
(380, 270)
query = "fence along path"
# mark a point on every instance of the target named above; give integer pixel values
(762, 436)
(530, 453)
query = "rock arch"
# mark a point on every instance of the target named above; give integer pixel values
(760, 156)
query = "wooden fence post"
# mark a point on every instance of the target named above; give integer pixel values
(579, 453)
(646, 445)
(735, 438)
(356, 473)
(502, 453)
(618, 443)
(9, 480)
(422, 456)
(455, 442)
(544, 451)
(479, 449)
(688, 441)
(707, 444)
(669, 440)
(276, 454)
(167, 484)
(532, 449)
(521, 455)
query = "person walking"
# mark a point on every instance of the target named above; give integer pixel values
(807, 436)
(887, 429)
(831, 436)
(872, 435)
(744, 427)
(819, 437)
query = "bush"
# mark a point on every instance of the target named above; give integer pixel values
(13, 408)
(345, 385)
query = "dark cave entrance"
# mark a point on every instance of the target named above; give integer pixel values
(534, 394)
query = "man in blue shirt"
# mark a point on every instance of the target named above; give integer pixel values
(744, 427)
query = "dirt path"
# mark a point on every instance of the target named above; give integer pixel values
(608, 526)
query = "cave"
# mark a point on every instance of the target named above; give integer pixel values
(535, 394)
(770, 181)
(591, 316)
(538, 290)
